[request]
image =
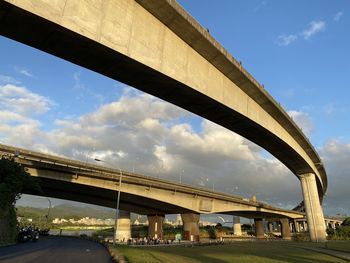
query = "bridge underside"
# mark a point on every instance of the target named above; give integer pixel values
(107, 198)
(129, 202)
(71, 46)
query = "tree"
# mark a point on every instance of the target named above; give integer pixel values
(346, 222)
(14, 180)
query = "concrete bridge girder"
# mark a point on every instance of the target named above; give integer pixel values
(147, 200)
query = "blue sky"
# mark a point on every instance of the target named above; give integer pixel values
(297, 49)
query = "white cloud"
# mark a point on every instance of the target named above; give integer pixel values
(285, 40)
(8, 80)
(303, 120)
(314, 28)
(20, 100)
(336, 156)
(338, 16)
(24, 72)
(139, 132)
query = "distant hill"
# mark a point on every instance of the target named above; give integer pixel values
(66, 211)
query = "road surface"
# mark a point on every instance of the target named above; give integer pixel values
(55, 249)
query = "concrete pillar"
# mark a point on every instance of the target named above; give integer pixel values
(124, 226)
(333, 224)
(326, 224)
(155, 226)
(297, 226)
(285, 229)
(313, 209)
(237, 230)
(259, 227)
(304, 226)
(191, 226)
(270, 226)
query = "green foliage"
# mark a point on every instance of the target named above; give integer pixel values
(13, 181)
(346, 222)
(341, 232)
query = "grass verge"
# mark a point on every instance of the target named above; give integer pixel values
(236, 252)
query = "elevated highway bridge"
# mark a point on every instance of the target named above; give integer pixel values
(78, 181)
(157, 47)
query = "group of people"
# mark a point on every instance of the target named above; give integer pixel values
(149, 241)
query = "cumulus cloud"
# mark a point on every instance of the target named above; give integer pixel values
(336, 156)
(18, 107)
(142, 133)
(285, 40)
(314, 28)
(303, 120)
(22, 101)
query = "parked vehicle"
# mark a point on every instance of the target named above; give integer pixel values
(26, 234)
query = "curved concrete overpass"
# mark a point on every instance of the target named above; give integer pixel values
(157, 47)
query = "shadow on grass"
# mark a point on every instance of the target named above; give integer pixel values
(236, 252)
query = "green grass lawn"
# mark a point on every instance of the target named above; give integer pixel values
(339, 245)
(236, 252)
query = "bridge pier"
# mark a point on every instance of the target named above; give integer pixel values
(191, 226)
(155, 226)
(124, 226)
(333, 225)
(259, 227)
(313, 208)
(285, 229)
(270, 227)
(237, 229)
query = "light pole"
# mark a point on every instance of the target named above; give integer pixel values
(118, 200)
(48, 211)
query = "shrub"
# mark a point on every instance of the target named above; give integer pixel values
(13, 181)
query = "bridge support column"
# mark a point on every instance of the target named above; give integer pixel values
(191, 226)
(270, 227)
(297, 226)
(237, 230)
(155, 226)
(285, 229)
(333, 225)
(124, 226)
(313, 208)
(303, 223)
(259, 227)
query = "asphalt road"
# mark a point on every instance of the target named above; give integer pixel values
(55, 249)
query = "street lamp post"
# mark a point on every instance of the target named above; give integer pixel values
(118, 200)
(48, 211)
(117, 210)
